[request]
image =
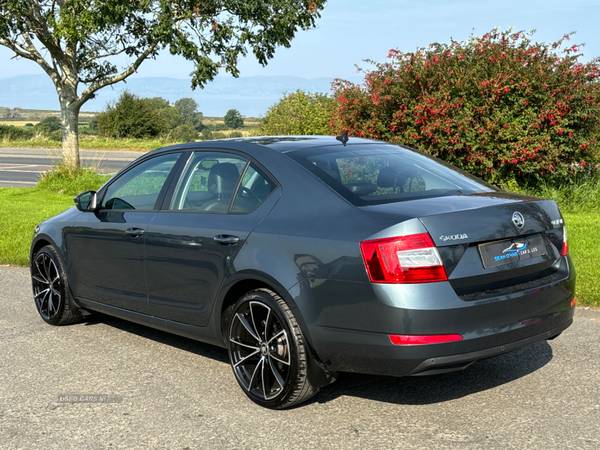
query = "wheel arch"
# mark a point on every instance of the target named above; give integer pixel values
(40, 241)
(243, 282)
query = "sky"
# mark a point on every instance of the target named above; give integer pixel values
(351, 31)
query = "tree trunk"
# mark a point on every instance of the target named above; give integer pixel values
(70, 134)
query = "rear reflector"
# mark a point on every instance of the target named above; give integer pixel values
(403, 259)
(573, 302)
(403, 339)
(565, 246)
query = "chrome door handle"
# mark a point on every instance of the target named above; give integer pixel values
(135, 232)
(226, 239)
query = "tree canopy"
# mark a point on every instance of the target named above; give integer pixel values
(233, 119)
(500, 106)
(77, 42)
(299, 113)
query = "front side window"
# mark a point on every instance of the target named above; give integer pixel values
(140, 187)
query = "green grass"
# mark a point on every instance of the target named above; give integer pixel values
(94, 143)
(21, 209)
(584, 248)
(68, 181)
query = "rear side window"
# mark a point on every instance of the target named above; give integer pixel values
(253, 190)
(208, 182)
(221, 182)
(370, 174)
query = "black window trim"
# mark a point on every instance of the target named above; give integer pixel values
(301, 157)
(163, 190)
(166, 203)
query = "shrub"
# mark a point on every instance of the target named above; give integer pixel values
(233, 119)
(130, 117)
(71, 181)
(52, 123)
(299, 113)
(207, 134)
(499, 106)
(13, 133)
(55, 136)
(93, 125)
(185, 133)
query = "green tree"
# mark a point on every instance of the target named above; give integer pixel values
(299, 113)
(188, 108)
(500, 106)
(75, 41)
(51, 123)
(130, 117)
(233, 119)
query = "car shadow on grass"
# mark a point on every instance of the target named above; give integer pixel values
(481, 376)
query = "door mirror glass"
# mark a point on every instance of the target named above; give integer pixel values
(86, 201)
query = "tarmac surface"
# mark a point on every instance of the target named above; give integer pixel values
(21, 167)
(109, 384)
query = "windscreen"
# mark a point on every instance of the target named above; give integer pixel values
(371, 174)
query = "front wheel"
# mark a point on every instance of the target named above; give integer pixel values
(267, 351)
(50, 288)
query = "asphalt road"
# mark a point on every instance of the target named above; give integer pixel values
(21, 167)
(174, 393)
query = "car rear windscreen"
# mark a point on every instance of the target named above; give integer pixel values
(371, 174)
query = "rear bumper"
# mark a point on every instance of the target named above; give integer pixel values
(373, 353)
(453, 363)
(490, 327)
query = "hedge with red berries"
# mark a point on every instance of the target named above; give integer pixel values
(499, 106)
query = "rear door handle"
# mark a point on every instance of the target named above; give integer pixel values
(226, 239)
(135, 232)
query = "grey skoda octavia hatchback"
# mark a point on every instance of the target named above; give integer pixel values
(306, 256)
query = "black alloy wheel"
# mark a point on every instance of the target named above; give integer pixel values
(267, 351)
(50, 288)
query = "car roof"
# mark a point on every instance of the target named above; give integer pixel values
(282, 144)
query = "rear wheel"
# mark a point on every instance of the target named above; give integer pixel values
(267, 351)
(50, 288)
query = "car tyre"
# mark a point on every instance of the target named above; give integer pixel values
(267, 351)
(51, 291)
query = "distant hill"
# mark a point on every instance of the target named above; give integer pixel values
(252, 96)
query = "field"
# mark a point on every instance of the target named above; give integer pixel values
(21, 209)
(91, 141)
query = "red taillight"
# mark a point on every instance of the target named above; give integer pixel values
(565, 247)
(403, 259)
(403, 339)
(573, 302)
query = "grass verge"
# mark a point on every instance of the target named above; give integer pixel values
(94, 143)
(584, 248)
(21, 209)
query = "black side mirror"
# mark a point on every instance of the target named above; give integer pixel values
(86, 201)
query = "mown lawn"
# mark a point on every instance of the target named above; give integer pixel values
(584, 247)
(21, 209)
